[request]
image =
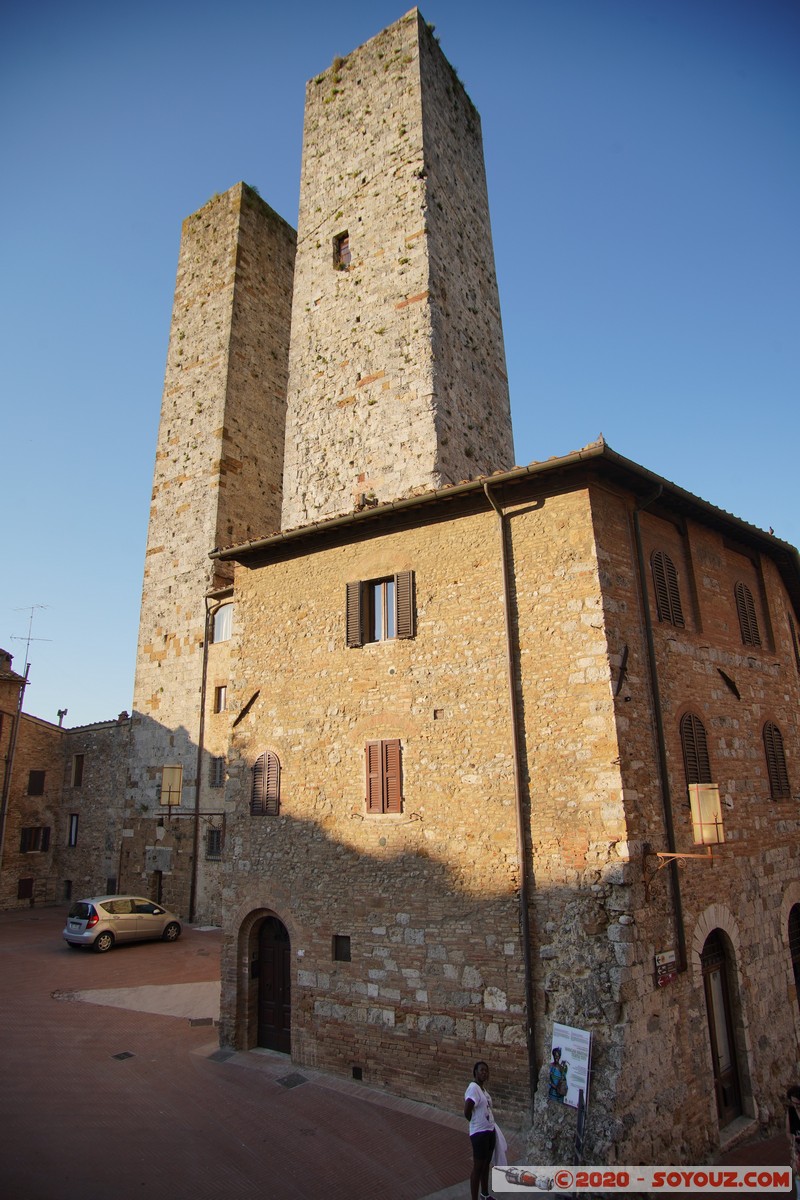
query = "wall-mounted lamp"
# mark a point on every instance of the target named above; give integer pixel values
(707, 830)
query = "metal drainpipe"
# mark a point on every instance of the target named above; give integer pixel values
(524, 919)
(200, 735)
(677, 905)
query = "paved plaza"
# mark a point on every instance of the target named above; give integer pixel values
(114, 1088)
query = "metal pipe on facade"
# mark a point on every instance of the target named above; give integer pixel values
(658, 712)
(198, 772)
(524, 917)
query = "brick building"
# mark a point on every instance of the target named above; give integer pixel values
(415, 724)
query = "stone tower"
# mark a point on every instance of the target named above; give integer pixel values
(397, 374)
(218, 466)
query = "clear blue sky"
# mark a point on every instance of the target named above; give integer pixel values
(643, 160)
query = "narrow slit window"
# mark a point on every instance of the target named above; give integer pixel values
(341, 251)
(220, 698)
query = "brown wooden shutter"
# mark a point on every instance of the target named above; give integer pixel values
(354, 616)
(404, 596)
(272, 791)
(391, 775)
(695, 750)
(776, 762)
(374, 777)
(668, 597)
(747, 615)
(257, 792)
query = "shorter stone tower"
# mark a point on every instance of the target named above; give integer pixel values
(218, 469)
(397, 374)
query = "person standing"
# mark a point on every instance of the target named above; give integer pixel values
(482, 1130)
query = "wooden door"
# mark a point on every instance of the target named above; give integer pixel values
(720, 1028)
(274, 986)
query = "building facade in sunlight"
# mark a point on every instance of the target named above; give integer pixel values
(422, 729)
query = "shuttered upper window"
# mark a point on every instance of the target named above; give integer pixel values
(795, 645)
(776, 762)
(695, 750)
(746, 610)
(668, 597)
(380, 609)
(384, 783)
(266, 791)
(216, 773)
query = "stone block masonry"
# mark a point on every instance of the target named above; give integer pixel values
(397, 370)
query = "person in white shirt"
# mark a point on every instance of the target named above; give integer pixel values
(482, 1133)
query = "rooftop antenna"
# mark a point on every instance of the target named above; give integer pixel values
(27, 640)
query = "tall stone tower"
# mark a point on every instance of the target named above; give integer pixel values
(218, 469)
(397, 374)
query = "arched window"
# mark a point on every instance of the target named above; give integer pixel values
(747, 615)
(223, 623)
(776, 762)
(695, 750)
(794, 945)
(266, 791)
(668, 597)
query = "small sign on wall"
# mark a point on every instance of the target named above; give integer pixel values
(666, 968)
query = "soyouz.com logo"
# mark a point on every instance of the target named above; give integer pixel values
(641, 1179)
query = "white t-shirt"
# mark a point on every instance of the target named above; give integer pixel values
(482, 1117)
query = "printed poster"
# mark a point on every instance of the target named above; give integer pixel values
(570, 1056)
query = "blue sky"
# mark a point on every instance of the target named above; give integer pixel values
(643, 160)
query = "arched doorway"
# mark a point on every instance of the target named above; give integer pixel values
(794, 945)
(274, 986)
(717, 986)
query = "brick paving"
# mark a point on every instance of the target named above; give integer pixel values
(176, 1119)
(100, 1101)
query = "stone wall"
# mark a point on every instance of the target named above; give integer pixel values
(397, 370)
(39, 748)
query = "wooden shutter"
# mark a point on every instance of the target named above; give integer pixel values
(374, 777)
(354, 615)
(795, 645)
(266, 790)
(668, 597)
(695, 750)
(404, 597)
(776, 762)
(747, 615)
(391, 777)
(46, 838)
(384, 783)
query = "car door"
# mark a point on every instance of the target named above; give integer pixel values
(150, 918)
(122, 919)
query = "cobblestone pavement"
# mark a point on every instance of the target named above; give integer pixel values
(113, 1088)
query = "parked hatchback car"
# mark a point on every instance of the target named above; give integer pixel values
(101, 921)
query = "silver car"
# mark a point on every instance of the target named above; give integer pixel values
(103, 920)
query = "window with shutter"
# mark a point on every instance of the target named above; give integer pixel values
(776, 762)
(668, 597)
(266, 791)
(34, 839)
(214, 843)
(380, 609)
(384, 778)
(36, 783)
(746, 610)
(695, 750)
(171, 785)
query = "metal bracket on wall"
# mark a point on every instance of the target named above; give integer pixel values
(663, 858)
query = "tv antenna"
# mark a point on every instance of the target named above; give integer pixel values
(27, 640)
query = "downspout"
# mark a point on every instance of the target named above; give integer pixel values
(677, 905)
(10, 763)
(524, 918)
(201, 729)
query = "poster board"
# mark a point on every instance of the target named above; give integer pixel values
(570, 1059)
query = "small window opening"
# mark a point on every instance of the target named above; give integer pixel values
(341, 947)
(220, 698)
(341, 251)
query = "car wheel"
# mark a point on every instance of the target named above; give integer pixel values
(172, 932)
(103, 942)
